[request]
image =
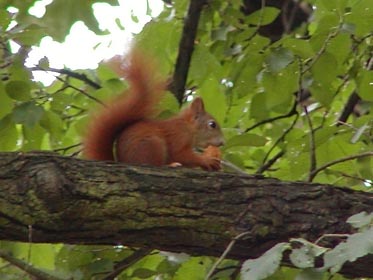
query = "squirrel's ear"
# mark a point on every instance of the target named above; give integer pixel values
(197, 105)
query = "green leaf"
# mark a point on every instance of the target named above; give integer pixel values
(323, 93)
(61, 101)
(18, 90)
(203, 65)
(9, 134)
(18, 71)
(340, 47)
(246, 139)
(280, 88)
(361, 16)
(143, 273)
(195, 268)
(265, 265)
(42, 255)
(6, 104)
(71, 257)
(105, 72)
(304, 257)
(310, 274)
(220, 33)
(161, 39)
(167, 267)
(258, 108)
(43, 62)
(4, 19)
(299, 47)
(214, 99)
(28, 114)
(279, 59)
(360, 220)
(33, 137)
(335, 5)
(100, 266)
(59, 26)
(30, 35)
(364, 82)
(244, 74)
(263, 16)
(52, 123)
(324, 70)
(357, 245)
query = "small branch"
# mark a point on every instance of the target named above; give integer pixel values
(313, 160)
(332, 235)
(127, 262)
(292, 112)
(260, 20)
(365, 181)
(276, 143)
(352, 101)
(334, 162)
(322, 49)
(232, 166)
(82, 92)
(65, 149)
(69, 73)
(186, 47)
(269, 163)
(36, 273)
(225, 253)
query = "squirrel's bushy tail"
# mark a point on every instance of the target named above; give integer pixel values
(137, 103)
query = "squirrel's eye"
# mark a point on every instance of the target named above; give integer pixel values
(212, 124)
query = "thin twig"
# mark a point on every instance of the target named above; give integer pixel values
(313, 159)
(334, 162)
(69, 73)
(330, 36)
(65, 149)
(81, 91)
(333, 235)
(269, 163)
(225, 253)
(232, 166)
(292, 112)
(281, 138)
(364, 181)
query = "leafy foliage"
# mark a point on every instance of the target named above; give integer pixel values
(280, 100)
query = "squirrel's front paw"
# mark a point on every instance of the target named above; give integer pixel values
(211, 164)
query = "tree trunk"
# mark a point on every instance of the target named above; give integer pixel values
(49, 198)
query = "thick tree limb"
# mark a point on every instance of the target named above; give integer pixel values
(76, 201)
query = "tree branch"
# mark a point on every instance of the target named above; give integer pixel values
(334, 162)
(173, 209)
(186, 47)
(69, 73)
(292, 112)
(348, 109)
(29, 269)
(127, 262)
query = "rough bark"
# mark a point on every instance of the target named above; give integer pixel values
(76, 201)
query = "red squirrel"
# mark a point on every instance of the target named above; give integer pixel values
(139, 138)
